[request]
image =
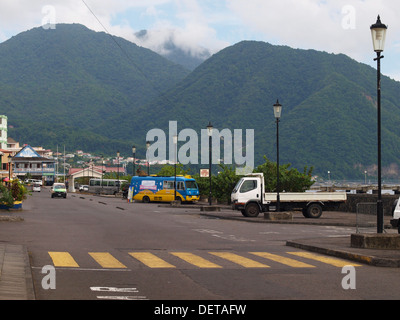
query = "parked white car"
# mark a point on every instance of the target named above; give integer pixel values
(33, 181)
(36, 187)
(83, 187)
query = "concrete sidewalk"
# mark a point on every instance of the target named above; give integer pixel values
(15, 273)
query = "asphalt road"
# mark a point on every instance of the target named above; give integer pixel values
(107, 249)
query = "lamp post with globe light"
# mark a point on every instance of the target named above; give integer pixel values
(378, 33)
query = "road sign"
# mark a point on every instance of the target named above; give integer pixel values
(204, 173)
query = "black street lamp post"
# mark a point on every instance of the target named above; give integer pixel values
(277, 114)
(134, 160)
(117, 171)
(148, 158)
(175, 140)
(378, 32)
(102, 171)
(209, 132)
(9, 159)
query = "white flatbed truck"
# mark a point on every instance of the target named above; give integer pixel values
(395, 221)
(250, 198)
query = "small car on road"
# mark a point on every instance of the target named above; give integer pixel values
(58, 190)
(36, 187)
(83, 187)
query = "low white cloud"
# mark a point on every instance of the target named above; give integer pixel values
(188, 26)
(189, 29)
(337, 26)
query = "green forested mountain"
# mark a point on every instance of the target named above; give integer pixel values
(71, 85)
(329, 106)
(77, 87)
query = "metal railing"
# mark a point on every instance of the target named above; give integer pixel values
(25, 170)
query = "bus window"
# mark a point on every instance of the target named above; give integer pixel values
(180, 185)
(111, 183)
(168, 185)
(104, 183)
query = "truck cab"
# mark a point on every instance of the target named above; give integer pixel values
(247, 196)
(396, 215)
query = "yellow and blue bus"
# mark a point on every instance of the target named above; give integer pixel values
(154, 188)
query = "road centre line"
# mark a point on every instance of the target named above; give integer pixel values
(122, 297)
(114, 289)
(85, 269)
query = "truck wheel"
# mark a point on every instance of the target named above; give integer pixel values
(304, 212)
(314, 211)
(252, 210)
(146, 199)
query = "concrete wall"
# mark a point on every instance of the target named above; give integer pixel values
(362, 198)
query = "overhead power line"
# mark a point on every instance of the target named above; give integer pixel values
(121, 48)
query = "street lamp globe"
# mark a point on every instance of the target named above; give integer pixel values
(277, 109)
(209, 129)
(378, 33)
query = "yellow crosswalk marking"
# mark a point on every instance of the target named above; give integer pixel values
(106, 260)
(63, 259)
(245, 262)
(328, 260)
(286, 261)
(151, 260)
(195, 260)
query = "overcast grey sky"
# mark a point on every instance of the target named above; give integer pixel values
(339, 26)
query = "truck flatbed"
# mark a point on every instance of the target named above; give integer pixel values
(306, 196)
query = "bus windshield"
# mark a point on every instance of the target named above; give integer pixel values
(191, 185)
